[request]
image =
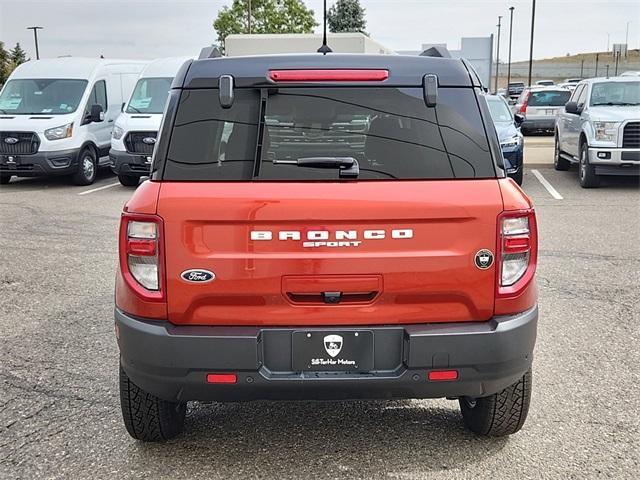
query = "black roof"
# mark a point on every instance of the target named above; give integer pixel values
(404, 70)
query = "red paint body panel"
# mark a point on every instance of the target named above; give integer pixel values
(430, 277)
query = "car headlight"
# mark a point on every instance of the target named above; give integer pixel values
(511, 142)
(58, 133)
(606, 131)
(117, 132)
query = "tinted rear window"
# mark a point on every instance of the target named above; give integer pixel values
(389, 131)
(549, 98)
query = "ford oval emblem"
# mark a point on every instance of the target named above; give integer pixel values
(149, 140)
(198, 275)
(11, 140)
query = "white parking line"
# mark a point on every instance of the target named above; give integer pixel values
(86, 192)
(554, 193)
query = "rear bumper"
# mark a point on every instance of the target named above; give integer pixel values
(172, 362)
(539, 124)
(125, 163)
(59, 162)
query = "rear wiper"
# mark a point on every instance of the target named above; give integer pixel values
(348, 166)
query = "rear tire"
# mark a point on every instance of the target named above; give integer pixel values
(500, 414)
(5, 179)
(559, 163)
(129, 180)
(147, 417)
(87, 167)
(587, 172)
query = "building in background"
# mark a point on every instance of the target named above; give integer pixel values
(477, 50)
(264, 44)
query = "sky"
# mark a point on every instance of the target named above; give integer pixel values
(160, 28)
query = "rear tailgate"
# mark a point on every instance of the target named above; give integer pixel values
(394, 255)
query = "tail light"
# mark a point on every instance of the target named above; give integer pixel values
(525, 103)
(518, 251)
(141, 255)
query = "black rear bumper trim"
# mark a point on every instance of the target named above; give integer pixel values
(172, 361)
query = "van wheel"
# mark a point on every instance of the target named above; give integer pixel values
(559, 163)
(147, 417)
(500, 414)
(87, 167)
(4, 179)
(587, 172)
(129, 180)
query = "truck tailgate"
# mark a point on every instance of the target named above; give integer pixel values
(341, 253)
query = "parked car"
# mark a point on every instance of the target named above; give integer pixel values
(56, 116)
(134, 133)
(509, 135)
(545, 83)
(572, 80)
(313, 230)
(514, 89)
(569, 86)
(539, 106)
(599, 129)
(631, 73)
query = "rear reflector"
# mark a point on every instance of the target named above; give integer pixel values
(443, 375)
(328, 75)
(222, 378)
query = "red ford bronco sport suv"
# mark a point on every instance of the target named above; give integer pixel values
(326, 227)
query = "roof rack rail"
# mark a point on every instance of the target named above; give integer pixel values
(210, 52)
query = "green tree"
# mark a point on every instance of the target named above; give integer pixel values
(17, 55)
(346, 16)
(4, 61)
(267, 16)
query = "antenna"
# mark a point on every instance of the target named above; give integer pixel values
(324, 49)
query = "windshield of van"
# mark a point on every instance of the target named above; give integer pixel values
(150, 95)
(389, 132)
(499, 110)
(615, 93)
(34, 96)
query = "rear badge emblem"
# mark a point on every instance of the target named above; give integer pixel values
(484, 259)
(333, 344)
(198, 275)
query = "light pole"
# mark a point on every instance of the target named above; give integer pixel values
(498, 53)
(35, 36)
(249, 17)
(608, 37)
(533, 21)
(510, 37)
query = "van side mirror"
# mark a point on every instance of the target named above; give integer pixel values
(573, 107)
(97, 114)
(518, 118)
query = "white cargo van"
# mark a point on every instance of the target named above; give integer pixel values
(56, 116)
(135, 130)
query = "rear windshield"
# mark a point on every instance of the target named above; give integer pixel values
(388, 131)
(549, 98)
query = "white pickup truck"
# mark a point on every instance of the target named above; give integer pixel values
(599, 128)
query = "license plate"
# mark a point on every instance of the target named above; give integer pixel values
(10, 160)
(326, 350)
(551, 111)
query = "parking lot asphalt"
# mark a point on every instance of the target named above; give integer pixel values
(60, 414)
